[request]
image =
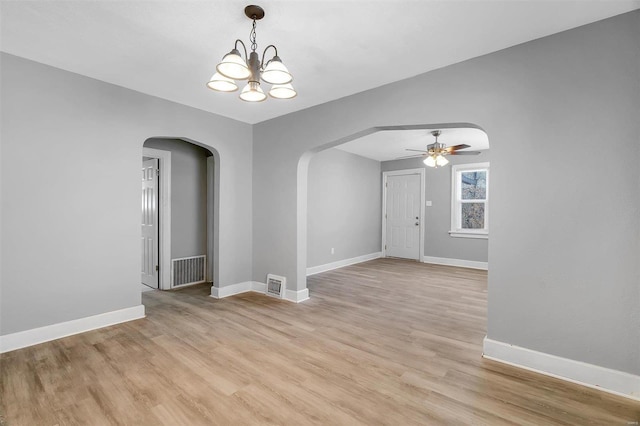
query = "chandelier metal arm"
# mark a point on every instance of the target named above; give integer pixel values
(262, 63)
(246, 57)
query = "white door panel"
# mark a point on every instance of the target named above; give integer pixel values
(149, 236)
(403, 216)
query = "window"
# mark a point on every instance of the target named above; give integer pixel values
(470, 200)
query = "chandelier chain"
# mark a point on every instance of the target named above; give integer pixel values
(252, 37)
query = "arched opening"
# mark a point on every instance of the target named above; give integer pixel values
(180, 213)
(471, 252)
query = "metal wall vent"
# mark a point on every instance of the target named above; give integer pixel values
(188, 270)
(276, 286)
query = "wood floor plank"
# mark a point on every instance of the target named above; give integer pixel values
(385, 342)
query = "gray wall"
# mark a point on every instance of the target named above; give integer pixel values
(71, 150)
(188, 196)
(437, 241)
(564, 248)
(344, 207)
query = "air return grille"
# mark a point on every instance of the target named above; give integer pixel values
(276, 286)
(188, 270)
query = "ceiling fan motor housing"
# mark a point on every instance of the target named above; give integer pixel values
(436, 148)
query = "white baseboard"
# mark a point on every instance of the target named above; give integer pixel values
(456, 262)
(22, 339)
(258, 287)
(297, 296)
(342, 263)
(230, 290)
(593, 376)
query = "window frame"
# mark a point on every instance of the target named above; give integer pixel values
(456, 201)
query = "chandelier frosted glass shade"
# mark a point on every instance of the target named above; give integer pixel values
(276, 73)
(233, 66)
(252, 92)
(282, 91)
(221, 83)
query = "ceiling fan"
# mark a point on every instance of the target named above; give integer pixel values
(435, 153)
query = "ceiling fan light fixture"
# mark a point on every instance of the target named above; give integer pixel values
(435, 154)
(282, 91)
(441, 160)
(430, 161)
(233, 66)
(252, 92)
(221, 83)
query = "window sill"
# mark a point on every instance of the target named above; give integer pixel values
(463, 234)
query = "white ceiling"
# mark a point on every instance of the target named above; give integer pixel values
(393, 144)
(333, 48)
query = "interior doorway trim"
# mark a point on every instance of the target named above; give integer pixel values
(212, 199)
(164, 204)
(385, 175)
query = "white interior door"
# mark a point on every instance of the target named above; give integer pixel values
(403, 216)
(149, 237)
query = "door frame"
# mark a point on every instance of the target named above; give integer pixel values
(385, 175)
(212, 208)
(164, 205)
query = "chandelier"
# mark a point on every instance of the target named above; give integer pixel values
(234, 67)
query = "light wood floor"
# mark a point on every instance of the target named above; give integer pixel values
(384, 342)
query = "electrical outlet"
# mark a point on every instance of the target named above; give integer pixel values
(333, 250)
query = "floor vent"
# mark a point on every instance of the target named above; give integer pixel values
(188, 270)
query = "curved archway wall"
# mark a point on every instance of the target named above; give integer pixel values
(303, 175)
(167, 143)
(91, 135)
(558, 216)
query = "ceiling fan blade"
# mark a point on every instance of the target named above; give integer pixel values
(465, 153)
(417, 150)
(411, 156)
(456, 147)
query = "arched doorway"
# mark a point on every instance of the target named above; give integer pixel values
(187, 206)
(444, 180)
